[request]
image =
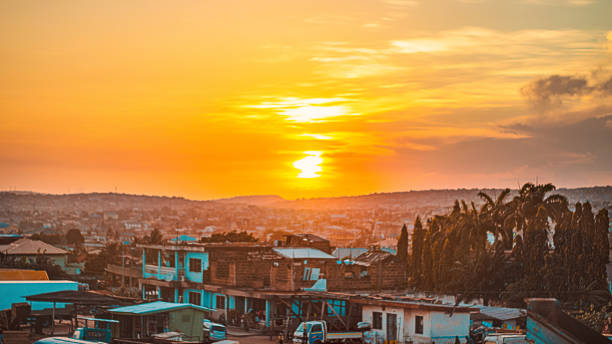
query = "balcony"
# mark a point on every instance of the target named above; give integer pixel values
(163, 273)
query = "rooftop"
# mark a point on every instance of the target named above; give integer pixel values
(23, 275)
(30, 247)
(303, 253)
(499, 313)
(155, 307)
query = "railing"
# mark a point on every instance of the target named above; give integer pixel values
(162, 273)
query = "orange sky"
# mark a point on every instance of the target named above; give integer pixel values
(208, 99)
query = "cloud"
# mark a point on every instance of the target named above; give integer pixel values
(571, 154)
(402, 3)
(546, 93)
(561, 2)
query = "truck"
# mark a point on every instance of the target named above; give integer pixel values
(213, 332)
(101, 333)
(315, 332)
(504, 338)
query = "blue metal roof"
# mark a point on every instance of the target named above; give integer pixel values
(303, 253)
(155, 307)
(183, 237)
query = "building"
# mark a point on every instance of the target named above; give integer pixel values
(146, 319)
(415, 321)
(29, 250)
(547, 323)
(17, 291)
(233, 279)
(499, 317)
(308, 240)
(373, 270)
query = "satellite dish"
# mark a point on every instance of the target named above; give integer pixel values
(168, 277)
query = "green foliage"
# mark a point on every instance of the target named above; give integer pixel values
(41, 262)
(402, 246)
(51, 239)
(74, 237)
(594, 317)
(96, 263)
(541, 248)
(232, 236)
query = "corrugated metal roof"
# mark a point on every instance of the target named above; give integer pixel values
(349, 252)
(303, 253)
(374, 256)
(23, 275)
(30, 247)
(500, 313)
(155, 307)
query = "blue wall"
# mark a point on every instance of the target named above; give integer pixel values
(186, 296)
(195, 276)
(16, 291)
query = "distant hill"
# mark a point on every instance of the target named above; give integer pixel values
(258, 200)
(598, 196)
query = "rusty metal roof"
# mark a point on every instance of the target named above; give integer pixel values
(23, 275)
(30, 247)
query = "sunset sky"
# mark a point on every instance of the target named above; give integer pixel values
(209, 99)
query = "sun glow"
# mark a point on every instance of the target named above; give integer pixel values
(309, 166)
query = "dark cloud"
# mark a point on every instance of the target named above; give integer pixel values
(576, 153)
(606, 87)
(551, 91)
(543, 93)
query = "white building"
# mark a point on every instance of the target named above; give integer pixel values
(416, 322)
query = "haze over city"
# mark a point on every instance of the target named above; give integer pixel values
(303, 99)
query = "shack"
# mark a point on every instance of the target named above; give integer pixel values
(147, 319)
(403, 320)
(499, 317)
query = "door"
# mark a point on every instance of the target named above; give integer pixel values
(316, 334)
(391, 327)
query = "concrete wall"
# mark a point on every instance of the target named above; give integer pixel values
(445, 328)
(367, 315)
(438, 326)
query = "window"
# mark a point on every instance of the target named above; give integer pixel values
(195, 265)
(418, 324)
(306, 274)
(377, 320)
(314, 274)
(220, 299)
(195, 298)
(349, 275)
(316, 328)
(363, 273)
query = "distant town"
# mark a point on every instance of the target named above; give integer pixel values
(439, 266)
(357, 221)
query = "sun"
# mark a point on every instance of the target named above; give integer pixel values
(309, 166)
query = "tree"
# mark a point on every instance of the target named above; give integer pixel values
(402, 247)
(416, 253)
(232, 236)
(155, 238)
(74, 237)
(540, 248)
